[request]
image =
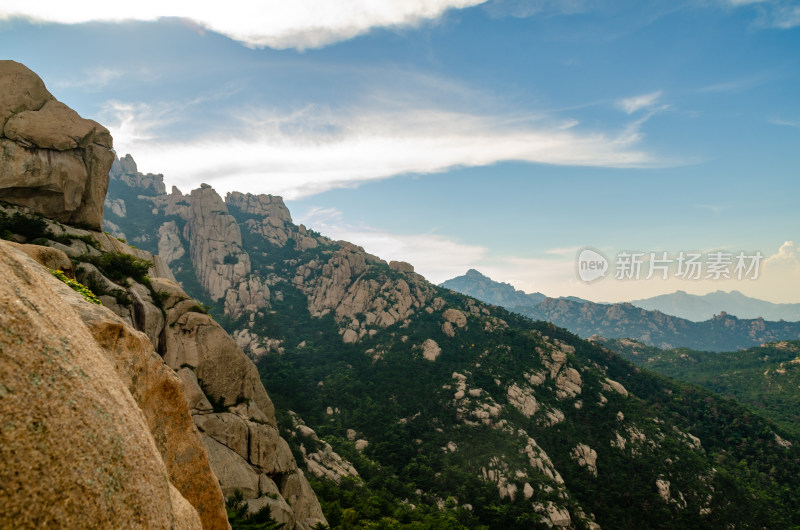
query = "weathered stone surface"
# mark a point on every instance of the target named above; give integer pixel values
(195, 399)
(228, 429)
(431, 350)
(401, 266)
(279, 509)
(51, 258)
(269, 452)
(233, 471)
(456, 317)
(55, 126)
(126, 171)
(215, 243)
(55, 377)
(53, 161)
(159, 394)
(523, 399)
(586, 457)
(260, 205)
(170, 247)
(298, 493)
(20, 90)
(223, 370)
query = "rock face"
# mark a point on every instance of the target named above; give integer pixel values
(146, 404)
(125, 170)
(222, 267)
(95, 433)
(53, 161)
(217, 387)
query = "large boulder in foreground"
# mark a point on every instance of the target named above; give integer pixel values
(83, 442)
(51, 160)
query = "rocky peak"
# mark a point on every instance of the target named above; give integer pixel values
(54, 161)
(125, 169)
(259, 205)
(131, 407)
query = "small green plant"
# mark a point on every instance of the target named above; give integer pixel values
(200, 308)
(230, 259)
(97, 286)
(28, 226)
(118, 267)
(240, 519)
(76, 286)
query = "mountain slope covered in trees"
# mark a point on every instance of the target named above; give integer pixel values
(413, 404)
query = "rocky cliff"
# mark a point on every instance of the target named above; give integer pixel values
(95, 428)
(53, 160)
(412, 403)
(200, 398)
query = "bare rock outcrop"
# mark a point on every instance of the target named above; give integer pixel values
(125, 170)
(221, 265)
(53, 161)
(87, 441)
(244, 446)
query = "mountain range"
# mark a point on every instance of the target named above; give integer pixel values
(310, 383)
(702, 307)
(722, 332)
(409, 402)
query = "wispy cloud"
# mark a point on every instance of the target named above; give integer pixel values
(637, 103)
(314, 149)
(436, 257)
(527, 8)
(780, 14)
(716, 209)
(273, 23)
(787, 123)
(93, 78)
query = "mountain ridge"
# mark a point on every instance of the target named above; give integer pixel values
(722, 332)
(702, 307)
(473, 414)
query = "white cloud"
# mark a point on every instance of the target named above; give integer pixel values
(636, 103)
(315, 149)
(436, 257)
(277, 24)
(787, 256)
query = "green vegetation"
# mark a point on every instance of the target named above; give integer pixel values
(35, 230)
(755, 481)
(765, 379)
(118, 267)
(98, 286)
(239, 519)
(428, 454)
(78, 287)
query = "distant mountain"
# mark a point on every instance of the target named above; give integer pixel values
(699, 308)
(723, 332)
(765, 379)
(479, 286)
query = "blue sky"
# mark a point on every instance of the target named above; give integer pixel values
(454, 134)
